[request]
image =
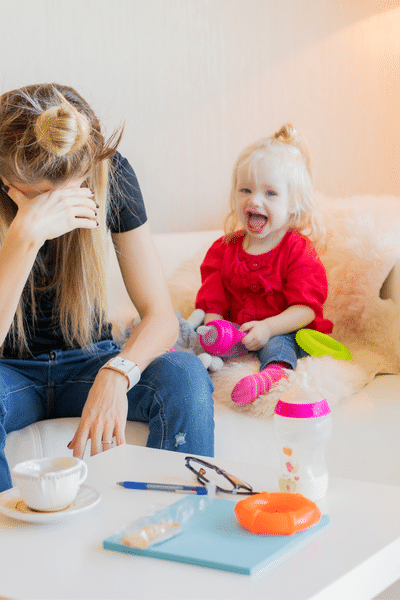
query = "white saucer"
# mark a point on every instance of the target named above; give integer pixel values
(12, 505)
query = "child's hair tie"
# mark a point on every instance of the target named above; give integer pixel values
(286, 134)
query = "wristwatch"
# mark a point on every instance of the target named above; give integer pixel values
(125, 367)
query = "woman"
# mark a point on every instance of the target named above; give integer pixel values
(63, 187)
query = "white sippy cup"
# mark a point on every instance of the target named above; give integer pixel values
(302, 426)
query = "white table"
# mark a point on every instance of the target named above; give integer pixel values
(356, 556)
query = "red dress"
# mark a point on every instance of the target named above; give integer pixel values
(245, 287)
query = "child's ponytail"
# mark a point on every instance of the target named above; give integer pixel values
(289, 135)
(307, 218)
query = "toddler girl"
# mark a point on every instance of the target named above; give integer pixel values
(266, 276)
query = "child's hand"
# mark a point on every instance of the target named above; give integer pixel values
(258, 335)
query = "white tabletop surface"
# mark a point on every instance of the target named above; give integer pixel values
(356, 556)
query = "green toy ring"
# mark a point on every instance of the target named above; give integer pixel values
(320, 344)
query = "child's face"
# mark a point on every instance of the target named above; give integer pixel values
(263, 203)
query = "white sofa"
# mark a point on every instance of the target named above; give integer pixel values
(365, 441)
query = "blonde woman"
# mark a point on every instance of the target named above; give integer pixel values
(63, 186)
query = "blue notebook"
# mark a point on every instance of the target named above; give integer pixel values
(217, 541)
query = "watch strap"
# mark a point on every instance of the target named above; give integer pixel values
(133, 375)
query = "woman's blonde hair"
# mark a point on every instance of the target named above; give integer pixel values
(289, 153)
(49, 132)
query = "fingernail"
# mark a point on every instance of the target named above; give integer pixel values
(68, 445)
(5, 188)
(97, 206)
(97, 223)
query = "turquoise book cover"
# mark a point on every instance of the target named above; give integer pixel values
(216, 540)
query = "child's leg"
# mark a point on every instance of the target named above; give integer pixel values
(251, 387)
(279, 349)
(277, 355)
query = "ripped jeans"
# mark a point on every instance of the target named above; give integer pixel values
(174, 395)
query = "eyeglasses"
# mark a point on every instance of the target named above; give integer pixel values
(206, 473)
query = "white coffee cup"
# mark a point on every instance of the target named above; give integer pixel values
(49, 484)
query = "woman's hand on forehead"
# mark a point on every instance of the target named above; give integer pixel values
(55, 212)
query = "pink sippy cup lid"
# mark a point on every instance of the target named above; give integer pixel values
(302, 402)
(302, 411)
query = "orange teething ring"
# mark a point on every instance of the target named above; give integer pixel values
(277, 513)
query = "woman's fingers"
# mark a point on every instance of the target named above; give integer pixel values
(52, 214)
(104, 414)
(100, 436)
(84, 224)
(17, 196)
(107, 437)
(79, 441)
(120, 433)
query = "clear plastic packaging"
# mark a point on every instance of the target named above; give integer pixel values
(161, 525)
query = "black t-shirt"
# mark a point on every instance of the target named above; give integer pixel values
(126, 212)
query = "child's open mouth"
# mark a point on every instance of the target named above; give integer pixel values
(256, 222)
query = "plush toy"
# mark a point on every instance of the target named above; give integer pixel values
(220, 339)
(189, 340)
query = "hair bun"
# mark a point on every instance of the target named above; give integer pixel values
(62, 129)
(287, 133)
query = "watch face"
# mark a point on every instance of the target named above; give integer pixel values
(120, 363)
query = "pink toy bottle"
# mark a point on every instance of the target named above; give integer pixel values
(217, 337)
(302, 427)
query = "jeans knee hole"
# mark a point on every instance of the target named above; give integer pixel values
(180, 439)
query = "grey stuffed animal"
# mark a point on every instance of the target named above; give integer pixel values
(189, 340)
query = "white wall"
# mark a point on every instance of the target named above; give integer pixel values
(196, 80)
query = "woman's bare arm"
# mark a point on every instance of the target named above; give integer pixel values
(145, 282)
(17, 256)
(105, 412)
(46, 216)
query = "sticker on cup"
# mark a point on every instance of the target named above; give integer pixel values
(49, 484)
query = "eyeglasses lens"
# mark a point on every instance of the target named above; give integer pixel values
(224, 482)
(217, 479)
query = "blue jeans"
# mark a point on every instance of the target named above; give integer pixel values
(281, 348)
(174, 395)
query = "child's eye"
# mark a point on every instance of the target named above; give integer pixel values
(271, 193)
(245, 191)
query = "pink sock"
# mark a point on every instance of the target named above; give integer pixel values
(251, 387)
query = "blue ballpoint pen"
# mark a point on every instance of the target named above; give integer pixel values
(163, 487)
